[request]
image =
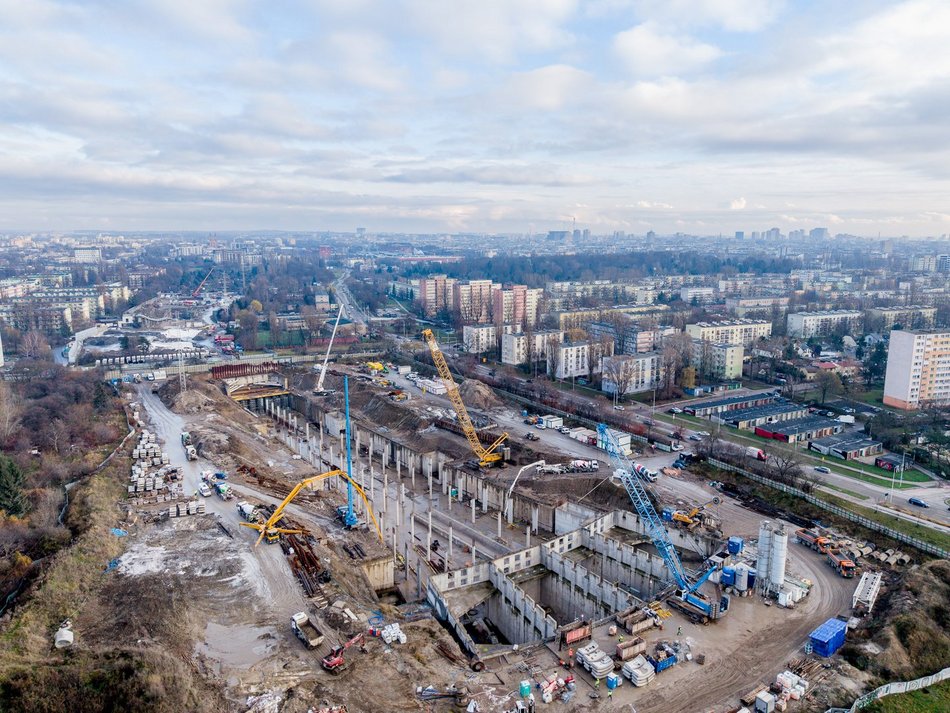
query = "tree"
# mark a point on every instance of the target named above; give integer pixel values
(33, 345)
(10, 410)
(875, 365)
(828, 382)
(12, 498)
(786, 465)
(620, 371)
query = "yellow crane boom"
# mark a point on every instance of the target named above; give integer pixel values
(486, 456)
(268, 528)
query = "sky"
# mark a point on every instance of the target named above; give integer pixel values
(696, 116)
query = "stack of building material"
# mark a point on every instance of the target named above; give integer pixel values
(392, 633)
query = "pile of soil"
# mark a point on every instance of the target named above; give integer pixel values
(477, 395)
(916, 636)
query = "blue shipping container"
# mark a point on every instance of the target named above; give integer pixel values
(829, 637)
(735, 545)
(662, 665)
(728, 576)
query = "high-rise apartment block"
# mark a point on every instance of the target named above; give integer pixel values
(918, 369)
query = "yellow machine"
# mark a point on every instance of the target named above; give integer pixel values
(376, 366)
(486, 456)
(688, 518)
(268, 528)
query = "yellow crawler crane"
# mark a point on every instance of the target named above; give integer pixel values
(487, 457)
(268, 528)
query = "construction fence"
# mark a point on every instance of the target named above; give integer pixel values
(890, 689)
(836, 510)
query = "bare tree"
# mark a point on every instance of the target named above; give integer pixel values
(553, 355)
(785, 465)
(828, 382)
(11, 408)
(621, 372)
(33, 345)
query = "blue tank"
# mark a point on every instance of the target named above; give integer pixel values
(735, 545)
(728, 577)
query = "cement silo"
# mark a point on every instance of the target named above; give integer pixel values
(777, 559)
(764, 555)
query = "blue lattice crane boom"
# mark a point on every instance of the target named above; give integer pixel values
(687, 590)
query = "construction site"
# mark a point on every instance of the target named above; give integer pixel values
(362, 538)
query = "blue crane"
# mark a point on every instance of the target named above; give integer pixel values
(689, 597)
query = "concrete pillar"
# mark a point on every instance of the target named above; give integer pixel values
(510, 509)
(398, 467)
(535, 514)
(385, 486)
(450, 542)
(372, 483)
(527, 536)
(499, 525)
(412, 469)
(429, 539)
(483, 496)
(473, 510)
(412, 527)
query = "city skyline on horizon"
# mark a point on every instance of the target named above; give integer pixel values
(500, 117)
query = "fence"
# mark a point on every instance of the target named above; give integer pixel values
(890, 689)
(836, 510)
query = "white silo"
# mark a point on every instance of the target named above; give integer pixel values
(777, 559)
(764, 555)
(742, 577)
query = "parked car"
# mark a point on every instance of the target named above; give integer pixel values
(918, 502)
(204, 490)
(822, 469)
(695, 437)
(618, 407)
(677, 446)
(676, 410)
(532, 436)
(565, 430)
(540, 425)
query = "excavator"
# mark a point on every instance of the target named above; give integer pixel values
(268, 527)
(487, 457)
(335, 662)
(689, 518)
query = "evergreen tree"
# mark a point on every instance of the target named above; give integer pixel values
(12, 499)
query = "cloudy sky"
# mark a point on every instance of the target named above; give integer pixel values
(488, 115)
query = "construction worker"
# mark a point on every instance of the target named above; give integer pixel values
(570, 657)
(620, 639)
(679, 631)
(610, 693)
(596, 683)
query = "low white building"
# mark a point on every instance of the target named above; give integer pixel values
(481, 338)
(520, 348)
(630, 373)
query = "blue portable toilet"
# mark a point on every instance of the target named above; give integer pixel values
(829, 637)
(728, 576)
(752, 579)
(735, 545)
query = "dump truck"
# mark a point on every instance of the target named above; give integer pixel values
(812, 539)
(224, 491)
(305, 630)
(841, 563)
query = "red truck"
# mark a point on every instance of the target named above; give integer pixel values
(841, 563)
(812, 539)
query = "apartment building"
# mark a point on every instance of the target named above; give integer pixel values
(188, 250)
(743, 305)
(918, 369)
(517, 304)
(49, 319)
(481, 338)
(520, 348)
(87, 255)
(572, 359)
(698, 295)
(473, 301)
(910, 317)
(815, 324)
(717, 360)
(741, 331)
(436, 294)
(630, 374)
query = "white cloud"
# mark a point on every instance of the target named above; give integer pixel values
(737, 204)
(648, 52)
(548, 88)
(732, 15)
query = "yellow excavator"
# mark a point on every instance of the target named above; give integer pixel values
(689, 518)
(268, 527)
(487, 457)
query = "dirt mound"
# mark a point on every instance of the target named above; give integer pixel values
(911, 632)
(475, 394)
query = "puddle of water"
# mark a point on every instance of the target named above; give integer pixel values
(238, 646)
